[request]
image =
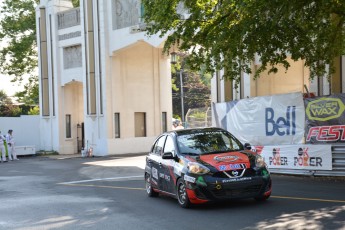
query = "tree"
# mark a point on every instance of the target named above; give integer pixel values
(18, 57)
(34, 111)
(30, 94)
(196, 92)
(7, 108)
(18, 29)
(228, 34)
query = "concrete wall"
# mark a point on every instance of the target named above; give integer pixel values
(282, 82)
(26, 129)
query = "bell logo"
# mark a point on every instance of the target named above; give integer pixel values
(281, 125)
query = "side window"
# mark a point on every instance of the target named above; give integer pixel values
(158, 148)
(169, 145)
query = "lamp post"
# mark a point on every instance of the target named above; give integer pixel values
(174, 61)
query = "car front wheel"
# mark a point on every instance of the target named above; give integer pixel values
(149, 190)
(182, 195)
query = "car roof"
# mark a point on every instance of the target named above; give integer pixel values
(194, 130)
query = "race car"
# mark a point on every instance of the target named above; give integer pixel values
(204, 165)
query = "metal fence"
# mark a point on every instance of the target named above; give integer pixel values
(198, 118)
(338, 165)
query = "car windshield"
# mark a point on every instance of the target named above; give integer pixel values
(207, 142)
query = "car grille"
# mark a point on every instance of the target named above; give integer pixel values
(248, 173)
(228, 193)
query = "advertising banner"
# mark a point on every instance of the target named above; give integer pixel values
(268, 120)
(325, 119)
(308, 157)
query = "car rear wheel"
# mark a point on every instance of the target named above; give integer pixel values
(182, 195)
(149, 189)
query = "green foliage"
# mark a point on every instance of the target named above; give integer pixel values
(199, 115)
(7, 108)
(30, 94)
(228, 34)
(75, 3)
(18, 29)
(196, 93)
(19, 56)
(34, 111)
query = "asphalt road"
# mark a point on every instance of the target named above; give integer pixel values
(108, 193)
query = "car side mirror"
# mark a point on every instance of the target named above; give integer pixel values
(168, 156)
(247, 146)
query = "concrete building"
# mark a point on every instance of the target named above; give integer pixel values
(103, 83)
(293, 80)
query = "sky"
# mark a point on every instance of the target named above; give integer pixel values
(10, 87)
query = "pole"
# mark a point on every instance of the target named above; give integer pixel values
(182, 103)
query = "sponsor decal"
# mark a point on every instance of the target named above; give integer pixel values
(222, 167)
(283, 126)
(201, 181)
(189, 178)
(236, 179)
(163, 176)
(325, 109)
(227, 161)
(225, 158)
(154, 173)
(303, 159)
(309, 157)
(277, 159)
(238, 166)
(327, 133)
(279, 120)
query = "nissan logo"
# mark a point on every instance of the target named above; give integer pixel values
(234, 173)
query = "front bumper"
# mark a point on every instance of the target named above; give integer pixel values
(210, 188)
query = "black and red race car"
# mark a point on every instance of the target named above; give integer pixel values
(202, 165)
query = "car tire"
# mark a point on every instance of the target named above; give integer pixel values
(149, 190)
(181, 193)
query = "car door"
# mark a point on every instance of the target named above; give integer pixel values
(167, 176)
(155, 162)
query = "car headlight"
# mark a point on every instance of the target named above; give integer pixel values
(197, 168)
(259, 161)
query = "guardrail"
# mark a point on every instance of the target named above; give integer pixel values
(338, 165)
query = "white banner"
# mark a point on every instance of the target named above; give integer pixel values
(310, 157)
(267, 120)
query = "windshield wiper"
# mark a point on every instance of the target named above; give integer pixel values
(218, 151)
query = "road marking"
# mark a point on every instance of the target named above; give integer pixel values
(101, 179)
(308, 199)
(103, 186)
(77, 184)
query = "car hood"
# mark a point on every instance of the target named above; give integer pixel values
(227, 161)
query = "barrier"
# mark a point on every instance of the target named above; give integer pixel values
(25, 150)
(338, 165)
